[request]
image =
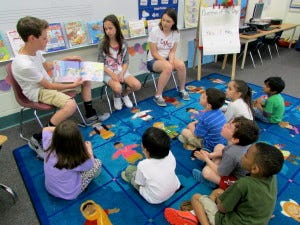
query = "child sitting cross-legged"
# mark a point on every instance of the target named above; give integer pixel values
(69, 164)
(250, 200)
(205, 131)
(154, 177)
(223, 165)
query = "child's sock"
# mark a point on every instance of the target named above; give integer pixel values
(90, 111)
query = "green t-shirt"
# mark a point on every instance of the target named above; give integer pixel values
(275, 107)
(249, 200)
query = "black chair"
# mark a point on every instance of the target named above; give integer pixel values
(272, 41)
(254, 47)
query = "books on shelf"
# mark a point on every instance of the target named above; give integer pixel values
(95, 30)
(124, 26)
(137, 28)
(70, 71)
(152, 23)
(76, 34)
(15, 41)
(4, 51)
(56, 40)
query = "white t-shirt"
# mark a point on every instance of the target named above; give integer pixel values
(157, 178)
(163, 43)
(28, 72)
(238, 108)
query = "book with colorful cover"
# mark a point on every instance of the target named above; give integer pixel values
(152, 23)
(4, 50)
(15, 41)
(124, 26)
(70, 71)
(137, 28)
(76, 34)
(56, 40)
(95, 30)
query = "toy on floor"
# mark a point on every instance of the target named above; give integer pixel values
(143, 115)
(95, 215)
(194, 89)
(169, 129)
(102, 130)
(291, 209)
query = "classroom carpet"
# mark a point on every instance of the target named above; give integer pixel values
(117, 143)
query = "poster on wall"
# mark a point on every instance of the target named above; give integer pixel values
(152, 9)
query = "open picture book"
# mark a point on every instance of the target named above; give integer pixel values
(70, 71)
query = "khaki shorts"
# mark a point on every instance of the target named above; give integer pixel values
(210, 208)
(53, 97)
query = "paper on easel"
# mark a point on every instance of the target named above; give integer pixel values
(220, 30)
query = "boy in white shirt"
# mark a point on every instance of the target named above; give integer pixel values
(154, 177)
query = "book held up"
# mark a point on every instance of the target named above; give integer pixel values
(70, 71)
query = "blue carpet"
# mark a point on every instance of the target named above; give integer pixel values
(110, 191)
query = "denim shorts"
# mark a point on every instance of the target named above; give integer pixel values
(150, 65)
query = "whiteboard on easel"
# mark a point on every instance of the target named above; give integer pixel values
(219, 30)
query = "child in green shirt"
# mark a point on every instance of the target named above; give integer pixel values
(250, 200)
(271, 110)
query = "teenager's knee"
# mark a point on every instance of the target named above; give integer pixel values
(70, 106)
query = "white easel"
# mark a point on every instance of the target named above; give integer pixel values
(198, 48)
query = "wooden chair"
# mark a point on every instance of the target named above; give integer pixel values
(24, 102)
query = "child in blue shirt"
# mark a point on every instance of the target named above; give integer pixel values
(205, 132)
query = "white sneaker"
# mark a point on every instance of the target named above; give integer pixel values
(117, 103)
(127, 101)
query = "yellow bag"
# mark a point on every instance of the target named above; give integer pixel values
(94, 212)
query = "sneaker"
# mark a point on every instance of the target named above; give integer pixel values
(117, 103)
(103, 116)
(127, 101)
(184, 95)
(199, 177)
(35, 145)
(159, 101)
(177, 217)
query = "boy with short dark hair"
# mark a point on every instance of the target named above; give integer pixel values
(30, 69)
(154, 177)
(223, 165)
(271, 110)
(250, 200)
(205, 132)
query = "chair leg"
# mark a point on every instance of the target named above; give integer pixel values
(270, 51)
(134, 98)
(107, 98)
(173, 76)
(258, 52)
(81, 116)
(154, 81)
(277, 49)
(252, 59)
(21, 125)
(9, 191)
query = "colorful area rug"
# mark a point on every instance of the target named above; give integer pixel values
(124, 129)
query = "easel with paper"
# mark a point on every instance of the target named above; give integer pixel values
(218, 33)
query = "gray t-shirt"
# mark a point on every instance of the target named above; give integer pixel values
(231, 161)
